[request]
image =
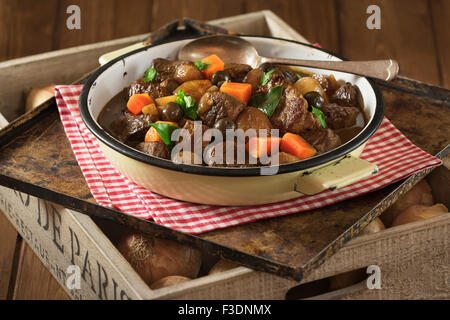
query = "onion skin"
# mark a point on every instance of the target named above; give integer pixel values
(419, 194)
(419, 212)
(222, 266)
(168, 281)
(154, 258)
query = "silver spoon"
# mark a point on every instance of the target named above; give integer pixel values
(233, 49)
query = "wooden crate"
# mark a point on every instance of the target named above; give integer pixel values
(62, 237)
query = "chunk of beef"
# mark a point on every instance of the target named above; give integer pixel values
(189, 126)
(217, 105)
(180, 71)
(322, 139)
(292, 115)
(237, 71)
(154, 88)
(275, 79)
(338, 117)
(154, 148)
(327, 82)
(130, 128)
(346, 95)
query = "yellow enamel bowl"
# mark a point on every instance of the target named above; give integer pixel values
(229, 186)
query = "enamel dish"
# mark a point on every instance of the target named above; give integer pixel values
(229, 186)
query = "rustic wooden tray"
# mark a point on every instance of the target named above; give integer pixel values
(289, 246)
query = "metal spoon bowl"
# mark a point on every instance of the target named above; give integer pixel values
(233, 49)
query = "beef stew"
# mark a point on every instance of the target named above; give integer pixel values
(273, 111)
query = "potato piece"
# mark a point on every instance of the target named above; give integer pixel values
(253, 118)
(284, 157)
(150, 109)
(419, 212)
(419, 194)
(161, 102)
(168, 281)
(194, 88)
(308, 84)
(165, 100)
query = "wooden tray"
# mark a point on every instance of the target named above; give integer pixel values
(290, 246)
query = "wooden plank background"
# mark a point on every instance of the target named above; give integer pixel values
(414, 32)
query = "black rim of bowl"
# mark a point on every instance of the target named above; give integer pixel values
(122, 148)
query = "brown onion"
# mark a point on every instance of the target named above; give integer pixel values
(38, 95)
(375, 226)
(419, 194)
(154, 258)
(419, 212)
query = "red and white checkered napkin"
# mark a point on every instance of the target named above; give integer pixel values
(394, 154)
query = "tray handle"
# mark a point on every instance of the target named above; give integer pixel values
(344, 172)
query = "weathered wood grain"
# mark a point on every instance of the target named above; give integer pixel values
(406, 35)
(315, 20)
(440, 13)
(26, 27)
(164, 11)
(101, 21)
(408, 27)
(7, 248)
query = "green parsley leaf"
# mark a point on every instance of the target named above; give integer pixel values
(298, 76)
(165, 130)
(319, 115)
(202, 65)
(266, 76)
(187, 104)
(267, 103)
(149, 75)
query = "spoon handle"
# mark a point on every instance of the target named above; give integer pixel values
(379, 69)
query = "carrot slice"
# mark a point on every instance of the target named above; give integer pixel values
(297, 146)
(241, 91)
(152, 134)
(216, 65)
(138, 101)
(259, 146)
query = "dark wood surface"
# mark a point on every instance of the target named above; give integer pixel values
(415, 32)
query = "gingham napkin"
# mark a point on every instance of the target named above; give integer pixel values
(388, 148)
